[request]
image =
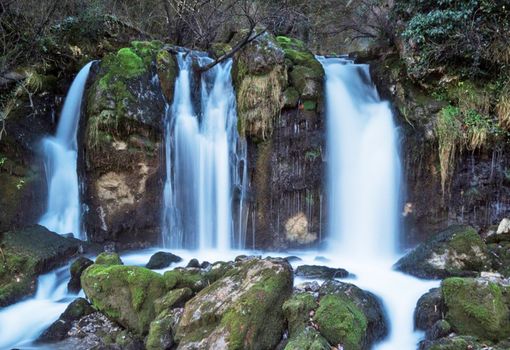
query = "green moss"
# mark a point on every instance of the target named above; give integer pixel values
(178, 278)
(309, 105)
(476, 308)
(290, 97)
(167, 73)
(172, 299)
(308, 339)
(106, 258)
(124, 293)
(297, 311)
(341, 322)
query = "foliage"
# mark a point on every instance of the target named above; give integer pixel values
(470, 37)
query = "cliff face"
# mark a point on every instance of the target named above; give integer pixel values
(280, 113)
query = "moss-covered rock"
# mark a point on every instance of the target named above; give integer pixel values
(477, 307)
(456, 251)
(160, 335)
(77, 268)
(125, 293)
(27, 253)
(460, 343)
(308, 339)
(349, 316)
(167, 72)
(242, 310)
(429, 309)
(318, 271)
(172, 299)
(108, 258)
(297, 312)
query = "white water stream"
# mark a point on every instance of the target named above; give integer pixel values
(63, 212)
(363, 188)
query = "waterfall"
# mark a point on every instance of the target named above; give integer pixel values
(363, 184)
(63, 213)
(203, 154)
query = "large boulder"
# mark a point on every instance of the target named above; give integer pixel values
(126, 294)
(242, 310)
(322, 272)
(27, 253)
(298, 310)
(308, 339)
(77, 268)
(456, 251)
(349, 316)
(477, 307)
(121, 160)
(160, 260)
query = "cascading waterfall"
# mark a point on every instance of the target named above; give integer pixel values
(63, 214)
(363, 180)
(203, 152)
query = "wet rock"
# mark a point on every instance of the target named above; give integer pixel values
(440, 329)
(59, 329)
(126, 294)
(77, 267)
(308, 339)
(429, 309)
(349, 316)
(205, 265)
(172, 299)
(193, 263)
(477, 307)
(108, 258)
(293, 258)
(457, 343)
(241, 310)
(298, 311)
(313, 287)
(28, 253)
(160, 260)
(322, 272)
(456, 251)
(504, 226)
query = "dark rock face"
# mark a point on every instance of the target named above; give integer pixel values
(28, 253)
(429, 309)
(77, 267)
(323, 272)
(160, 260)
(122, 158)
(59, 329)
(456, 251)
(285, 142)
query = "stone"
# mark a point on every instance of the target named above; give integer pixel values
(321, 272)
(160, 260)
(58, 330)
(27, 253)
(108, 258)
(297, 310)
(477, 307)
(193, 263)
(77, 267)
(308, 339)
(504, 226)
(349, 316)
(172, 299)
(456, 251)
(440, 329)
(429, 309)
(243, 309)
(126, 294)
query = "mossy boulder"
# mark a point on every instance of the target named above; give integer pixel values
(126, 294)
(77, 268)
(477, 307)
(460, 343)
(108, 258)
(160, 335)
(28, 253)
(456, 251)
(242, 310)
(308, 339)
(349, 316)
(172, 299)
(318, 271)
(297, 311)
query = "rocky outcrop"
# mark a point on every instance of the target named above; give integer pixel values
(241, 310)
(122, 159)
(279, 97)
(456, 251)
(27, 253)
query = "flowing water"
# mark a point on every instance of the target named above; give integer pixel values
(203, 152)
(363, 188)
(23, 322)
(63, 214)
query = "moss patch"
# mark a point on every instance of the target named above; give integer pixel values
(341, 322)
